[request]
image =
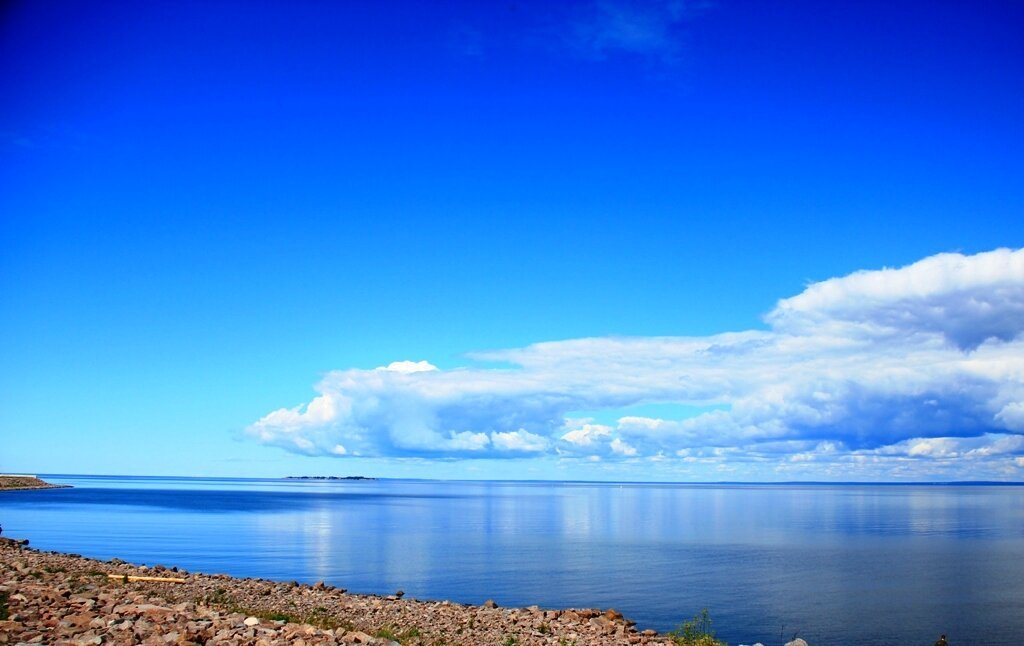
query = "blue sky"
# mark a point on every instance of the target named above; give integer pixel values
(210, 214)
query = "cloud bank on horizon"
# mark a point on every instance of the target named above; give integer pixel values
(892, 373)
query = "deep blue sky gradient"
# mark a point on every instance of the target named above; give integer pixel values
(204, 206)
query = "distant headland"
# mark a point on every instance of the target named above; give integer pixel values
(328, 478)
(13, 482)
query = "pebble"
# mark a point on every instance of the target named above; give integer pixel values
(64, 599)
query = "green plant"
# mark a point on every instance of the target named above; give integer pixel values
(322, 618)
(4, 612)
(410, 633)
(386, 632)
(511, 641)
(219, 597)
(696, 632)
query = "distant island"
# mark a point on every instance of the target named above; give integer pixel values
(21, 482)
(328, 478)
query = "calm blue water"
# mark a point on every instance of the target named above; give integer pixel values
(845, 564)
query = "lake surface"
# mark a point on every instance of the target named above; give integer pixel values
(836, 564)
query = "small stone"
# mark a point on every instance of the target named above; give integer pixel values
(490, 604)
(251, 621)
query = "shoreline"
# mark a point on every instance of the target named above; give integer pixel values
(26, 483)
(69, 598)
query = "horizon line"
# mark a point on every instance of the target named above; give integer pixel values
(552, 481)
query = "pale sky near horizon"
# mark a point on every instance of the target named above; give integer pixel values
(591, 240)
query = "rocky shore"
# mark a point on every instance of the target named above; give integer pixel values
(17, 483)
(65, 599)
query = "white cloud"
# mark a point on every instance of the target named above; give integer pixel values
(520, 441)
(968, 299)
(924, 362)
(409, 367)
(620, 447)
(583, 433)
(1012, 416)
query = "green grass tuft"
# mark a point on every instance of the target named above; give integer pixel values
(696, 632)
(387, 632)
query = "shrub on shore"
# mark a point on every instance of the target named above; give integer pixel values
(696, 632)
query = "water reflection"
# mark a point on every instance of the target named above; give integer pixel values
(841, 564)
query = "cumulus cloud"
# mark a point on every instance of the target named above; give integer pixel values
(923, 363)
(409, 367)
(968, 299)
(581, 432)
